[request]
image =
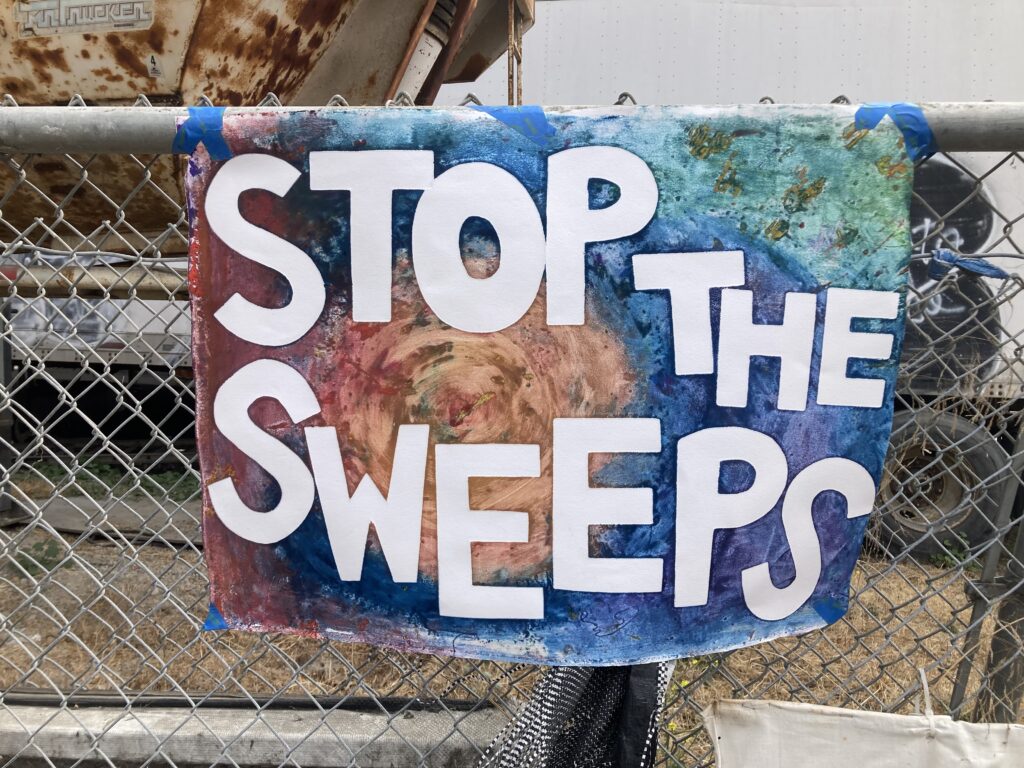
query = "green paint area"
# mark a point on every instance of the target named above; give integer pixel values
(728, 180)
(806, 190)
(46, 479)
(801, 194)
(704, 141)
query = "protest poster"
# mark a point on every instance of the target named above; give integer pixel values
(566, 386)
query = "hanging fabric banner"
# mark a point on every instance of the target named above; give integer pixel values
(568, 386)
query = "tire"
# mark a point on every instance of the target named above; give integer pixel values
(942, 485)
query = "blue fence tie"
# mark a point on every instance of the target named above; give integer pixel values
(909, 118)
(528, 120)
(214, 619)
(943, 260)
(203, 126)
(830, 609)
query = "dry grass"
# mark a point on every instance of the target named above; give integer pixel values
(93, 615)
(89, 615)
(904, 617)
(46, 479)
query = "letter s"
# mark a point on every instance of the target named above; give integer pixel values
(267, 326)
(259, 379)
(845, 477)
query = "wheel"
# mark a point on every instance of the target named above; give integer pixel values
(942, 485)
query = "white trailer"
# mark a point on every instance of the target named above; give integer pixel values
(812, 51)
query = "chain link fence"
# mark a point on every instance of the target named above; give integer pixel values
(104, 592)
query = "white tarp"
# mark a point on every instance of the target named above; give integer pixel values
(776, 734)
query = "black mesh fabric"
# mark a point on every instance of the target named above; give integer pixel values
(586, 717)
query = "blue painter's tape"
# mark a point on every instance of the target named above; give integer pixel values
(943, 260)
(830, 609)
(908, 118)
(203, 126)
(214, 620)
(528, 120)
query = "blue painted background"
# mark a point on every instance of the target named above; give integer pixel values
(729, 179)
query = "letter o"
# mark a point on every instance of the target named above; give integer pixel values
(479, 305)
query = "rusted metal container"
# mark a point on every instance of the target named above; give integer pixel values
(236, 51)
(232, 51)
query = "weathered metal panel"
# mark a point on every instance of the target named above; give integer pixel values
(362, 61)
(241, 49)
(486, 39)
(102, 64)
(233, 51)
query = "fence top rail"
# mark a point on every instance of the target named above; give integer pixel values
(957, 127)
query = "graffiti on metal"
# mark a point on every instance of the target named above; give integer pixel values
(37, 18)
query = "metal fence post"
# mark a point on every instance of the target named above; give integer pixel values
(1000, 697)
(6, 414)
(980, 593)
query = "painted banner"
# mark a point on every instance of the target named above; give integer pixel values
(568, 386)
